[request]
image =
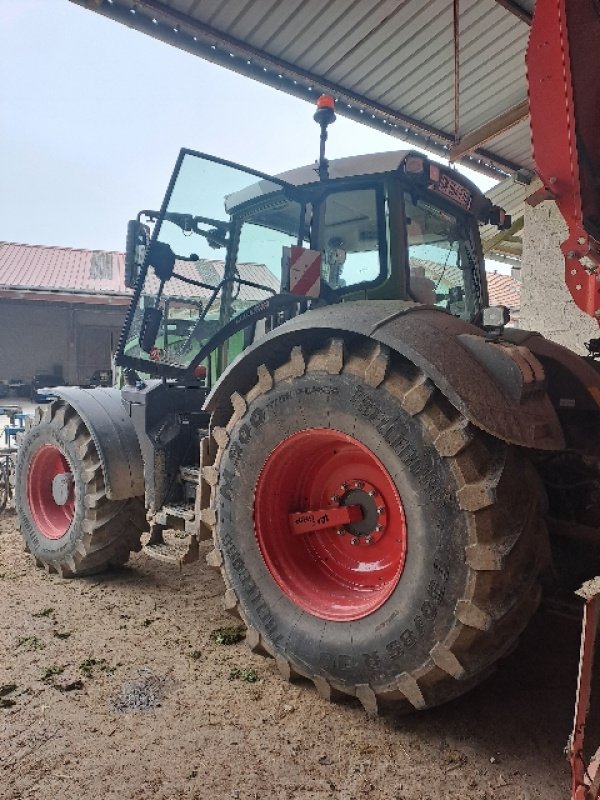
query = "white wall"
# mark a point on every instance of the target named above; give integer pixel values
(546, 304)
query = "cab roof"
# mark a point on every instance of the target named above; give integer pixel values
(349, 167)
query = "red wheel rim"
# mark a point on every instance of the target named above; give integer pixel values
(330, 524)
(50, 492)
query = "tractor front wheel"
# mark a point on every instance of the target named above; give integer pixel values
(67, 522)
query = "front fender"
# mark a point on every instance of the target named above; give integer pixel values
(499, 387)
(114, 437)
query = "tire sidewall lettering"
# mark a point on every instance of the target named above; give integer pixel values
(399, 635)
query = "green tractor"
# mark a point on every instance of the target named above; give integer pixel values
(314, 380)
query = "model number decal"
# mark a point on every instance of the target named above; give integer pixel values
(454, 191)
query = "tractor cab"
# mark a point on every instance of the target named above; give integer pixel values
(234, 253)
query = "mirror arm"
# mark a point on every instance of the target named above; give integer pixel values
(216, 223)
(193, 282)
(241, 281)
(152, 215)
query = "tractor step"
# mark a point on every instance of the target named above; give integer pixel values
(189, 477)
(181, 519)
(178, 516)
(189, 474)
(173, 553)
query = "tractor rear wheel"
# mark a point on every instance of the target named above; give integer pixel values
(67, 522)
(370, 538)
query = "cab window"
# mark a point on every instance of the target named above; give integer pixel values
(353, 238)
(434, 238)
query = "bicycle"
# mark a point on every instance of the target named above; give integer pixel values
(7, 477)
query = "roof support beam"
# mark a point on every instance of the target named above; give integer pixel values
(475, 139)
(503, 236)
(456, 17)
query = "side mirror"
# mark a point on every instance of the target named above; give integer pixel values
(149, 328)
(135, 251)
(162, 258)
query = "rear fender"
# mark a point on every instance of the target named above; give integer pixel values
(573, 386)
(499, 387)
(114, 437)
(573, 382)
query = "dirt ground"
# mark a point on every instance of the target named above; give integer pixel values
(121, 692)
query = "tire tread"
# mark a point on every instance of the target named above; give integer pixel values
(502, 588)
(111, 529)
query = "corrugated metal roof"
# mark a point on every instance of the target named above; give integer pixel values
(61, 269)
(390, 63)
(511, 196)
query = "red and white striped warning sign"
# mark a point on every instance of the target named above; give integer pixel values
(305, 271)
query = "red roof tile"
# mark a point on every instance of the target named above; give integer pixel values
(504, 290)
(211, 272)
(65, 270)
(62, 269)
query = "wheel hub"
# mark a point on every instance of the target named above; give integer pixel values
(371, 527)
(50, 491)
(330, 524)
(61, 488)
(358, 510)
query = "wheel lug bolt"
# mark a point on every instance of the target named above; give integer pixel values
(334, 498)
(372, 493)
(368, 539)
(344, 486)
(378, 527)
(354, 540)
(359, 484)
(380, 510)
(340, 531)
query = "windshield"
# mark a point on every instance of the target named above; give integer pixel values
(181, 306)
(442, 264)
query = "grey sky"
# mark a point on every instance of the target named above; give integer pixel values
(92, 116)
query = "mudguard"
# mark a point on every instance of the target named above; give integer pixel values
(114, 436)
(498, 386)
(573, 382)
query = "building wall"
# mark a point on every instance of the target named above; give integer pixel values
(74, 339)
(546, 303)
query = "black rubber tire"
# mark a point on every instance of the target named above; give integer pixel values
(103, 532)
(476, 537)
